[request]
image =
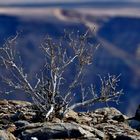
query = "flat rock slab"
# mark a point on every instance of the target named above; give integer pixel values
(55, 131)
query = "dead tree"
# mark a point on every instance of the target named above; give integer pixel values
(72, 50)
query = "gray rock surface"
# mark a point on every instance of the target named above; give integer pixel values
(55, 131)
(19, 120)
(21, 123)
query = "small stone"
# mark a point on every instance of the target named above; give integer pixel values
(71, 113)
(5, 135)
(94, 120)
(34, 138)
(119, 118)
(85, 133)
(94, 131)
(3, 102)
(18, 115)
(71, 116)
(11, 128)
(4, 120)
(84, 120)
(106, 111)
(20, 103)
(56, 120)
(21, 123)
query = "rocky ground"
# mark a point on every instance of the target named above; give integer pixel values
(20, 120)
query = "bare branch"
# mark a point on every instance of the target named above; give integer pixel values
(108, 92)
(93, 101)
(54, 91)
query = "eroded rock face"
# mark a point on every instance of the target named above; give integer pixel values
(19, 120)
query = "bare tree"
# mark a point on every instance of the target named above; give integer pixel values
(53, 93)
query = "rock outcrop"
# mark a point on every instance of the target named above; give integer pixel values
(20, 120)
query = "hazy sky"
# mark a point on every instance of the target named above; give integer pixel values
(40, 1)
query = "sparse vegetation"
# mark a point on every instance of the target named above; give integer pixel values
(53, 93)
